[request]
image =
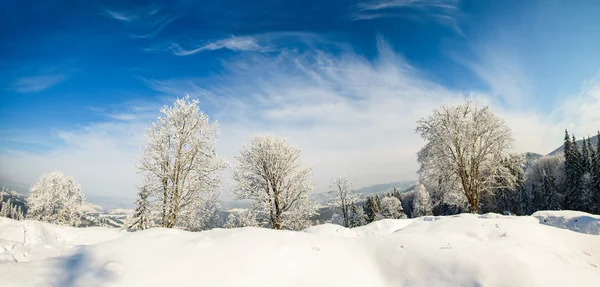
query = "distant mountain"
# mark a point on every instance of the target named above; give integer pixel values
(579, 142)
(91, 208)
(109, 202)
(530, 157)
(323, 197)
(386, 187)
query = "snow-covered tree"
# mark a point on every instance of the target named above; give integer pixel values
(372, 208)
(242, 218)
(179, 162)
(421, 202)
(8, 208)
(5, 208)
(56, 198)
(269, 172)
(142, 217)
(596, 175)
(204, 214)
(356, 217)
(337, 219)
(465, 147)
(342, 198)
(391, 207)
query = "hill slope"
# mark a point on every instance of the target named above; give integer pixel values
(462, 250)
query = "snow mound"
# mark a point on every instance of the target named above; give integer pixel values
(573, 220)
(463, 250)
(381, 227)
(30, 240)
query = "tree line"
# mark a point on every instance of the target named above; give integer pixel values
(466, 165)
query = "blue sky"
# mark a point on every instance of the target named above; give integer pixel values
(344, 80)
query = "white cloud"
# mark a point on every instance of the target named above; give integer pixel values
(122, 116)
(244, 43)
(132, 15)
(36, 84)
(501, 71)
(444, 12)
(385, 4)
(145, 22)
(348, 114)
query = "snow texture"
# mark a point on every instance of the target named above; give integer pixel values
(573, 220)
(461, 250)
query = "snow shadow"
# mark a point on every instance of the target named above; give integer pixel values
(80, 269)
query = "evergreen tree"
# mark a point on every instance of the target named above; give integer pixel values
(586, 163)
(368, 209)
(525, 201)
(357, 217)
(573, 174)
(142, 217)
(596, 176)
(537, 198)
(586, 202)
(551, 200)
(4, 210)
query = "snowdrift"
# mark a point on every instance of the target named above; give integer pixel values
(573, 220)
(462, 250)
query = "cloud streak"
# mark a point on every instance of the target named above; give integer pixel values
(233, 43)
(445, 12)
(36, 84)
(133, 15)
(147, 22)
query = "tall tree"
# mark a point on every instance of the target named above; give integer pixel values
(179, 162)
(572, 173)
(142, 216)
(525, 199)
(56, 198)
(269, 171)
(585, 157)
(551, 198)
(342, 197)
(466, 145)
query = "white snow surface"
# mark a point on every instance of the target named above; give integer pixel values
(573, 220)
(461, 250)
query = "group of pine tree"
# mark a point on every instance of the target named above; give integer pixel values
(8, 209)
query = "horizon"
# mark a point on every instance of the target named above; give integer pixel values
(345, 81)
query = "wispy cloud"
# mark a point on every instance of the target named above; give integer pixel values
(421, 4)
(311, 98)
(132, 15)
(262, 42)
(444, 12)
(145, 22)
(122, 116)
(36, 84)
(244, 43)
(502, 72)
(158, 26)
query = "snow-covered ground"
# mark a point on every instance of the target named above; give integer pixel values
(462, 250)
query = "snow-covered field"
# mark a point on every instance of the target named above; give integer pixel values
(462, 250)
